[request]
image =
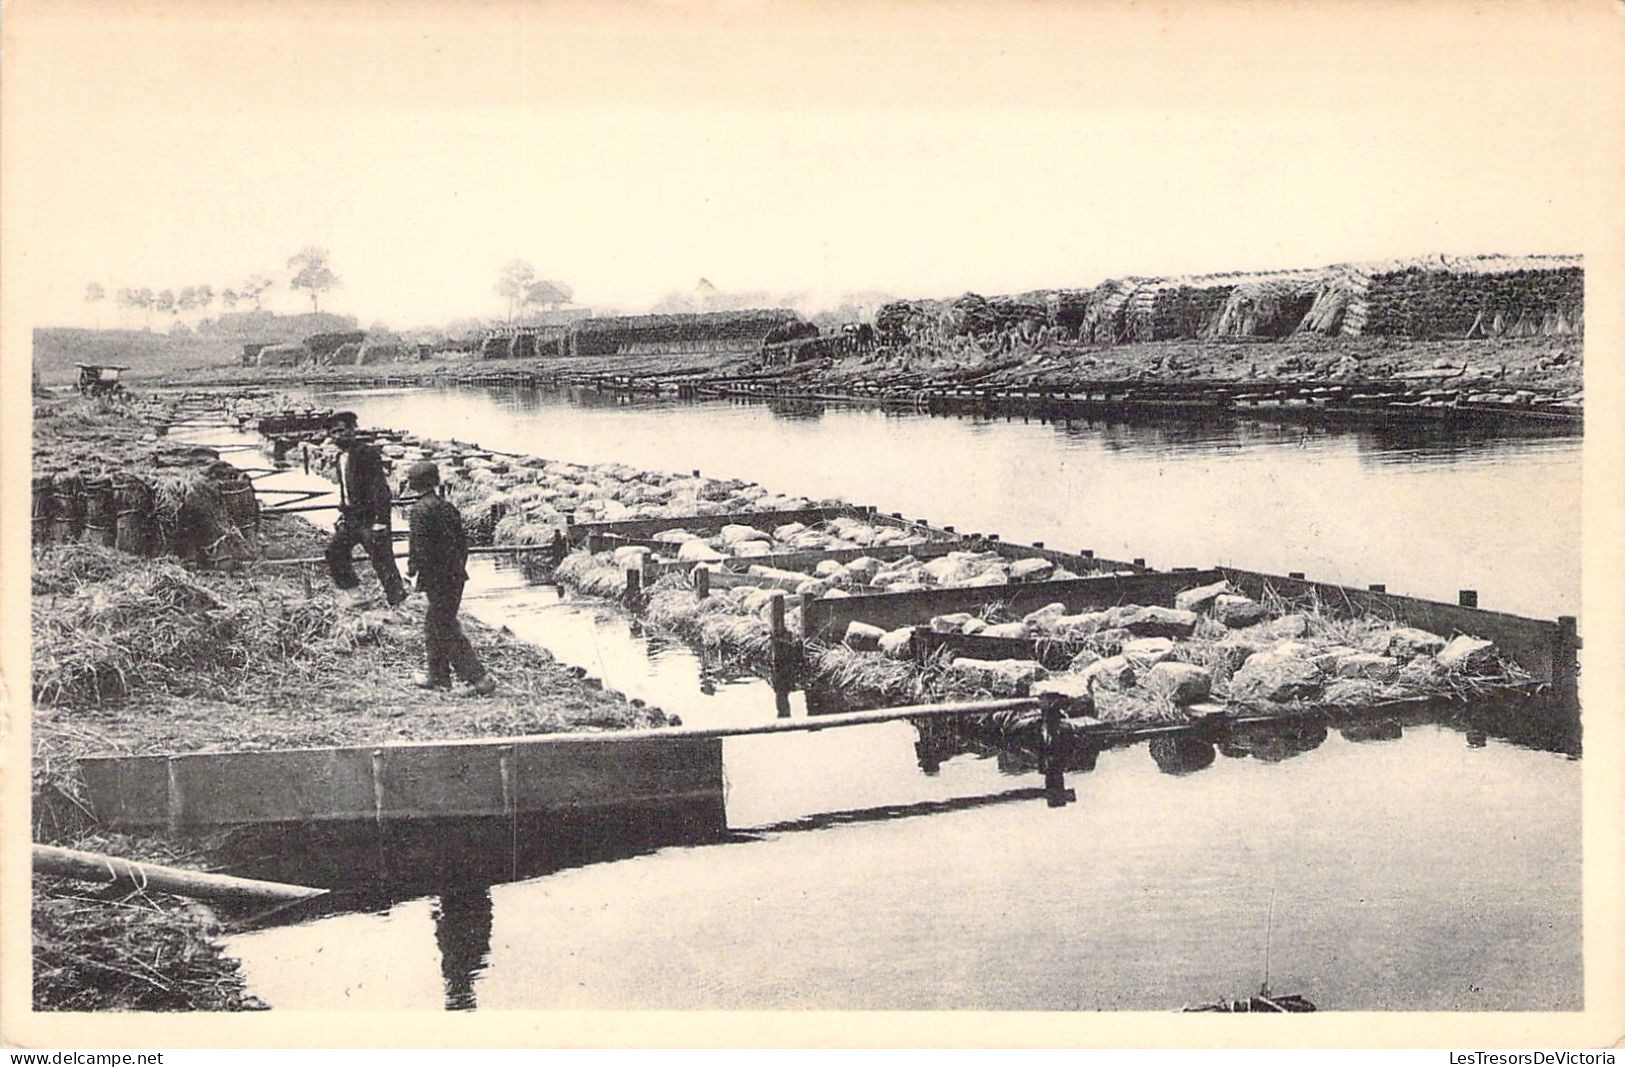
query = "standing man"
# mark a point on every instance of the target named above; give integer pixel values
(364, 505)
(436, 556)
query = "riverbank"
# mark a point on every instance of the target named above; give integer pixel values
(1551, 365)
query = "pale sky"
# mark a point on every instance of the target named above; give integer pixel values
(631, 148)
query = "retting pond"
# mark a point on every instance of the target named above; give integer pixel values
(1434, 868)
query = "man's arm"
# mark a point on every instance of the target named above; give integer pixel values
(418, 526)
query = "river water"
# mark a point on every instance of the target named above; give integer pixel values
(1436, 868)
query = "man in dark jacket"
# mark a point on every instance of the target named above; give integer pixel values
(364, 507)
(436, 556)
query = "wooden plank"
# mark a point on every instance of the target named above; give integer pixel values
(127, 790)
(645, 529)
(576, 533)
(674, 769)
(810, 558)
(827, 619)
(429, 780)
(1072, 561)
(1052, 654)
(440, 782)
(305, 785)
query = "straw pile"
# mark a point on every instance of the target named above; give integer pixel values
(606, 335)
(1174, 310)
(105, 628)
(731, 623)
(1270, 307)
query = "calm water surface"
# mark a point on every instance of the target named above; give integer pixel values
(1428, 871)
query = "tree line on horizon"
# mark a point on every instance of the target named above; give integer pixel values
(518, 284)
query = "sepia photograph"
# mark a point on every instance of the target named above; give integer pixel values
(709, 506)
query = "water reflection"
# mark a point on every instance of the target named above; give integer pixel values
(462, 931)
(1376, 729)
(1273, 743)
(1181, 754)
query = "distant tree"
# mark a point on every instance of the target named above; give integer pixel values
(228, 298)
(164, 301)
(178, 328)
(512, 282)
(95, 294)
(204, 297)
(252, 288)
(142, 301)
(185, 299)
(547, 294)
(312, 273)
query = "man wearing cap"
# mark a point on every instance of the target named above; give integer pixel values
(364, 505)
(435, 556)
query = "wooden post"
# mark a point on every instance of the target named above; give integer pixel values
(775, 623)
(634, 587)
(1565, 664)
(702, 581)
(1467, 598)
(1050, 759)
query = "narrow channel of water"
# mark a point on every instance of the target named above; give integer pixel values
(1436, 870)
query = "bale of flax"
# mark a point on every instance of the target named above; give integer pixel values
(42, 513)
(197, 523)
(241, 506)
(69, 523)
(101, 515)
(135, 528)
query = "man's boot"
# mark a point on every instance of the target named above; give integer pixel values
(423, 680)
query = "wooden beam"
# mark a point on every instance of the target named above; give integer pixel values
(131, 874)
